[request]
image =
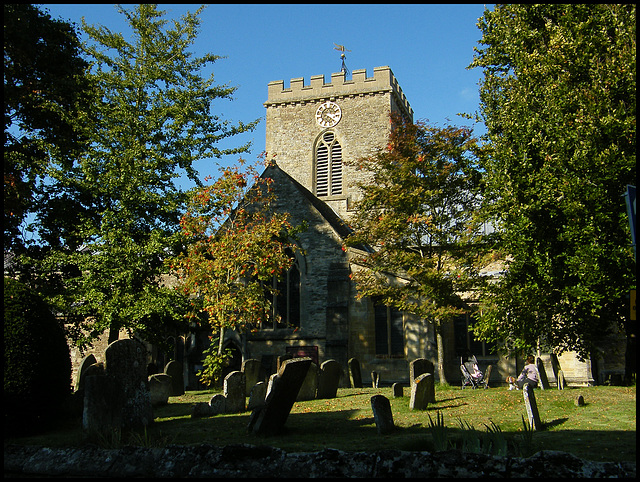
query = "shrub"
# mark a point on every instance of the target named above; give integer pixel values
(37, 363)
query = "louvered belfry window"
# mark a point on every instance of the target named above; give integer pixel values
(328, 166)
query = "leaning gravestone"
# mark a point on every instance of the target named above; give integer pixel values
(234, 388)
(375, 379)
(251, 369)
(120, 399)
(309, 387)
(561, 380)
(174, 370)
(420, 392)
(532, 408)
(382, 414)
(355, 375)
(329, 379)
(542, 374)
(281, 395)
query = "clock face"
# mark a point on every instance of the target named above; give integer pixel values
(328, 114)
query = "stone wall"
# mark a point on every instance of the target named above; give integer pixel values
(260, 461)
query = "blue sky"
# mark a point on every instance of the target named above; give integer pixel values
(428, 48)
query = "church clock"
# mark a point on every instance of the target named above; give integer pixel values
(328, 114)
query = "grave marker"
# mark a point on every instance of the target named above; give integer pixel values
(532, 408)
(382, 414)
(329, 379)
(175, 370)
(234, 388)
(561, 380)
(257, 396)
(159, 388)
(419, 366)
(354, 373)
(309, 385)
(398, 391)
(281, 395)
(375, 379)
(420, 392)
(251, 369)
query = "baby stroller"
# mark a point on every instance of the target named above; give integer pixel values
(471, 374)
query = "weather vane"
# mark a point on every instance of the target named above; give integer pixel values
(342, 49)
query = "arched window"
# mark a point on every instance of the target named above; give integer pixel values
(328, 166)
(285, 298)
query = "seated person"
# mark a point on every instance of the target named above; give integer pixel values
(529, 374)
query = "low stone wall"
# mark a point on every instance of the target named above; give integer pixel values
(259, 461)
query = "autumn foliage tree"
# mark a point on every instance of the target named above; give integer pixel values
(235, 245)
(416, 216)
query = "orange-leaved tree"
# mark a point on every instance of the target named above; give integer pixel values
(235, 244)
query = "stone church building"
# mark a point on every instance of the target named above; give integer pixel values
(313, 131)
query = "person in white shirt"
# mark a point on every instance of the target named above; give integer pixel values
(529, 374)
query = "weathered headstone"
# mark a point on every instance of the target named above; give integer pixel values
(86, 362)
(257, 396)
(382, 414)
(281, 395)
(175, 370)
(355, 375)
(579, 401)
(234, 387)
(251, 369)
(532, 408)
(543, 381)
(561, 380)
(310, 385)
(398, 391)
(487, 375)
(119, 399)
(375, 379)
(159, 388)
(218, 404)
(329, 379)
(420, 392)
(201, 409)
(419, 366)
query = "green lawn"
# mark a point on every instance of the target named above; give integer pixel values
(604, 429)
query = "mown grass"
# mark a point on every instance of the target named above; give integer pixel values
(604, 429)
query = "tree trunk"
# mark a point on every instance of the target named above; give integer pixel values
(440, 345)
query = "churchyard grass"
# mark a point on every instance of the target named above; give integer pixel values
(604, 429)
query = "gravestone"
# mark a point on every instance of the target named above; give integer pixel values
(354, 373)
(487, 375)
(310, 385)
(175, 370)
(542, 374)
(86, 362)
(281, 395)
(218, 404)
(159, 389)
(234, 388)
(382, 414)
(329, 379)
(375, 379)
(532, 408)
(119, 399)
(561, 380)
(257, 396)
(398, 391)
(251, 369)
(579, 401)
(420, 392)
(419, 366)
(201, 409)
(281, 359)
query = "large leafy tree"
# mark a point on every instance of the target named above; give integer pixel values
(45, 88)
(237, 244)
(417, 218)
(153, 120)
(559, 102)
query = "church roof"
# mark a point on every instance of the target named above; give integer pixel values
(343, 230)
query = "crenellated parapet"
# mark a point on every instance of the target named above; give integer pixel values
(383, 81)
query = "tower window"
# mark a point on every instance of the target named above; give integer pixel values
(328, 166)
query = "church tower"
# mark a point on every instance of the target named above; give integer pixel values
(316, 130)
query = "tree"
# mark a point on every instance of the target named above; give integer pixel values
(152, 122)
(44, 89)
(416, 215)
(236, 245)
(558, 100)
